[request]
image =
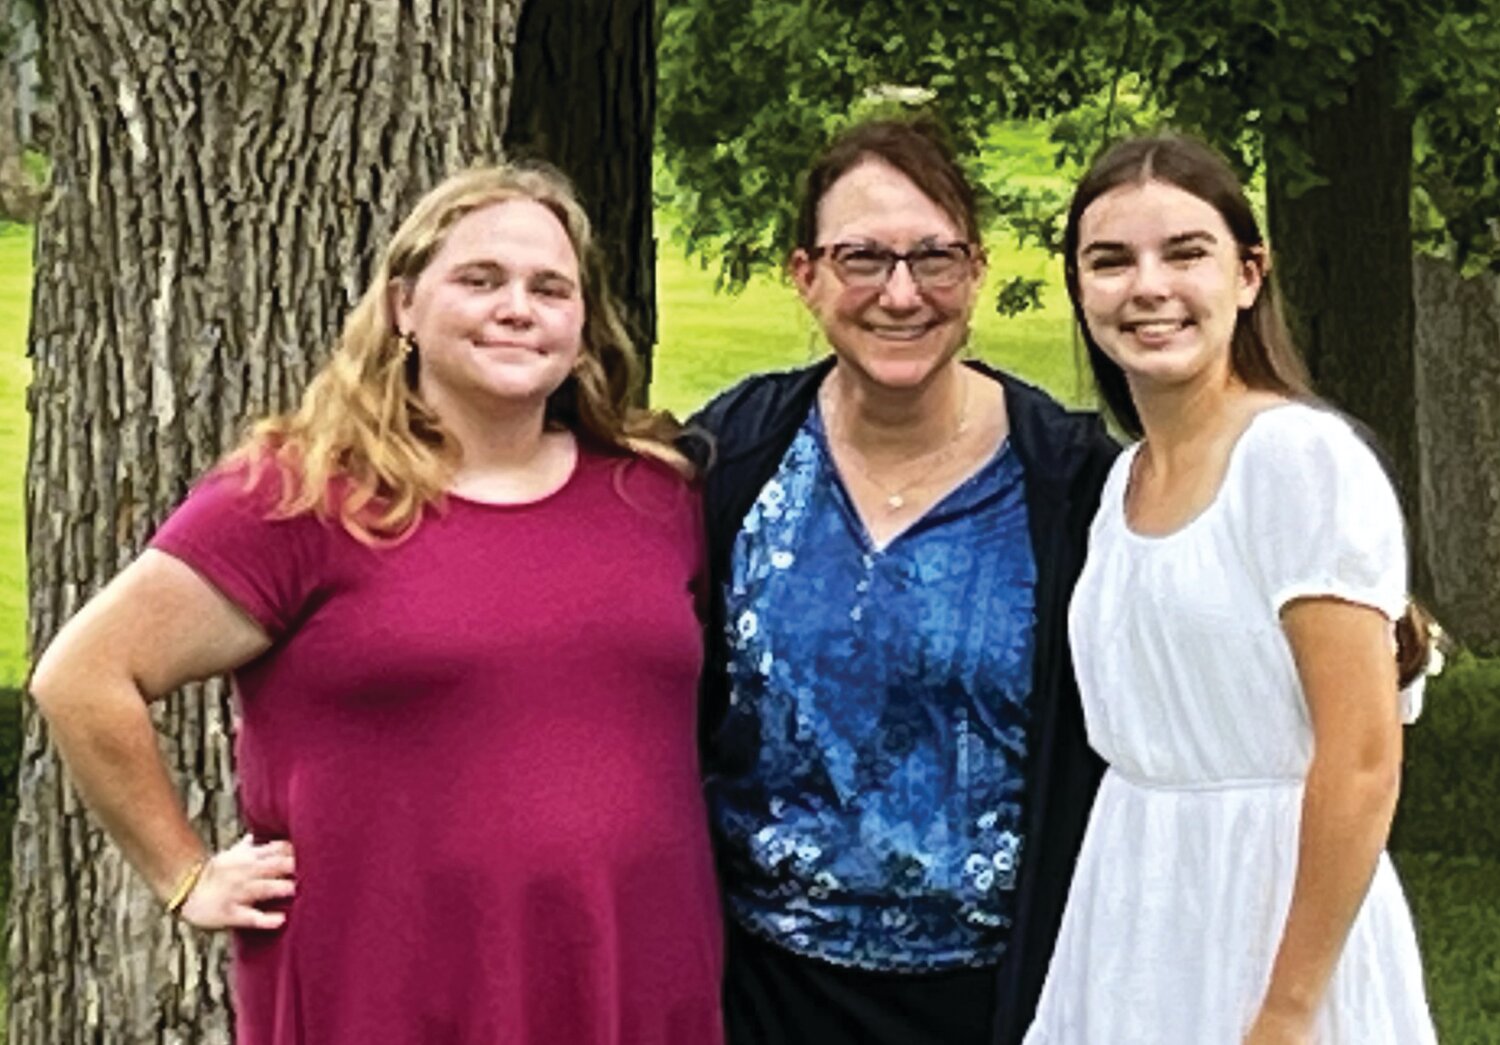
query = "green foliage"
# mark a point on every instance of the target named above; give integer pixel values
(1261, 69)
(1241, 73)
(1455, 903)
(734, 138)
(1456, 91)
(37, 165)
(1018, 294)
(1451, 790)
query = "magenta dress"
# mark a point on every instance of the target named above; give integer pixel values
(481, 743)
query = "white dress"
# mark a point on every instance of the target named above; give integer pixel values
(1191, 696)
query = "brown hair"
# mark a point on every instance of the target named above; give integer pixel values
(1261, 351)
(917, 148)
(1414, 643)
(364, 448)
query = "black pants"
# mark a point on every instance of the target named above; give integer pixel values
(774, 997)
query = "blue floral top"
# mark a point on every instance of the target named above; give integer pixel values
(866, 785)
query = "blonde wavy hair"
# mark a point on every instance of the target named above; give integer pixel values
(364, 449)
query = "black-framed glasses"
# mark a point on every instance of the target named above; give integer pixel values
(869, 265)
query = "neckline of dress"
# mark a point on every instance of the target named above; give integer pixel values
(579, 454)
(1127, 462)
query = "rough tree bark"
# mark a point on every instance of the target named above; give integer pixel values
(223, 173)
(585, 100)
(18, 194)
(1343, 253)
(1458, 397)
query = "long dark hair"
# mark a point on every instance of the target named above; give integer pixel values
(1261, 351)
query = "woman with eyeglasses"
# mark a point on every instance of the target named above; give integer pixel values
(898, 773)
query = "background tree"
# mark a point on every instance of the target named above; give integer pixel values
(584, 99)
(1359, 112)
(750, 91)
(1345, 101)
(19, 75)
(222, 175)
(1458, 404)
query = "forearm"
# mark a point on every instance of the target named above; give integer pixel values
(107, 740)
(1346, 818)
(154, 628)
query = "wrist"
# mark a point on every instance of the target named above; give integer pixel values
(1290, 1007)
(183, 884)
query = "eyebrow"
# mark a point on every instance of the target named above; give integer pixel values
(916, 244)
(1111, 246)
(487, 265)
(1189, 237)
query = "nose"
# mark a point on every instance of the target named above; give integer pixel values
(1150, 282)
(513, 303)
(900, 290)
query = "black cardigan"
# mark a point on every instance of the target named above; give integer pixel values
(739, 439)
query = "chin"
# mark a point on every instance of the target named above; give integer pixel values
(893, 368)
(1164, 373)
(525, 380)
(900, 374)
(518, 392)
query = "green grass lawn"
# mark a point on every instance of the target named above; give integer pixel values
(15, 372)
(709, 340)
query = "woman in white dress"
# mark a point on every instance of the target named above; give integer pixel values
(1233, 631)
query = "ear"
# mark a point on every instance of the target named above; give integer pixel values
(980, 264)
(803, 270)
(1253, 268)
(398, 301)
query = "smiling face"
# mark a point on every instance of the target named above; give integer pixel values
(899, 334)
(497, 314)
(1161, 282)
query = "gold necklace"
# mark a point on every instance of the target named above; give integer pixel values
(895, 496)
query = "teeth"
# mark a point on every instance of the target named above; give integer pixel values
(1158, 327)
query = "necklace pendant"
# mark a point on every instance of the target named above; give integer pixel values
(895, 502)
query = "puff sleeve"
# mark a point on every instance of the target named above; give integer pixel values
(1320, 517)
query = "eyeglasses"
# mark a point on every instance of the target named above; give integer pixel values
(868, 265)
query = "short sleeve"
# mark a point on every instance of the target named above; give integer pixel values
(1320, 515)
(225, 530)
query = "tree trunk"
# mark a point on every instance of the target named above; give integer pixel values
(1458, 398)
(1343, 254)
(223, 174)
(585, 101)
(18, 195)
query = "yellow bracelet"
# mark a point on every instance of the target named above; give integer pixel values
(185, 885)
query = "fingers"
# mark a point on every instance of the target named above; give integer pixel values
(237, 880)
(243, 917)
(274, 859)
(261, 890)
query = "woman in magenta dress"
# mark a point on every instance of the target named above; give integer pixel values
(457, 592)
